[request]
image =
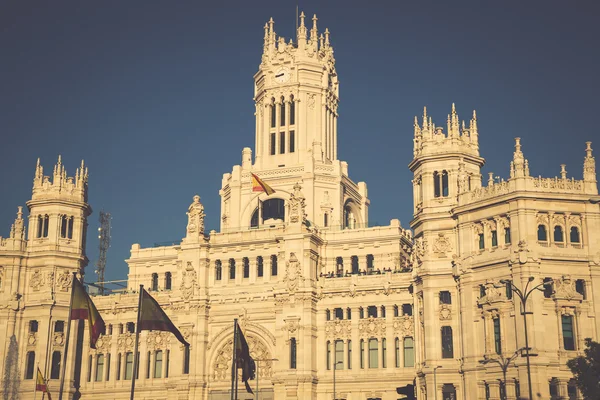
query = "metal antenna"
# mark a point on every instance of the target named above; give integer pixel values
(104, 239)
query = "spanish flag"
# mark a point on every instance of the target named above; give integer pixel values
(40, 384)
(153, 318)
(259, 186)
(243, 359)
(82, 307)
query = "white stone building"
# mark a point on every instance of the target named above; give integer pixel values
(312, 283)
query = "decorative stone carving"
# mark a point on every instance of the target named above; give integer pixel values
(338, 329)
(523, 254)
(419, 250)
(103, 343)
(492, 294)
(64, 281)
(404, 325)
(372, 327)
(297, 206)
(463, 185)
(188, 281)
(158, 340)
(311, 101)
(126, 341)
(442, 244)
(195, 226)
(564, 289)
(37, 280)
(221, 369)
(445, 312)
(59, 339)
(293, 275)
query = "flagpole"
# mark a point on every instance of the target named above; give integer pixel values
(64, 364)
(234, 362)
(137, 338)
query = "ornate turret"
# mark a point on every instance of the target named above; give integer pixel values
(519, 166)
(61, 185)
(589, 169)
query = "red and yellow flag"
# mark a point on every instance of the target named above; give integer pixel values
(259, 186)
(40, 384)
(83, 308)
(153, 318)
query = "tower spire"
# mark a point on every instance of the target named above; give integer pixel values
(301, 32)
(589, 165)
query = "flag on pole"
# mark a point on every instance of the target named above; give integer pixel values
(40, 384)
(243, 359)
(82, 307)
(153, 318)
(259, 186)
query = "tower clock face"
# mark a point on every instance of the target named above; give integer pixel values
(282, 75)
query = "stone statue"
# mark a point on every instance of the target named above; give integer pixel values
(195, 217)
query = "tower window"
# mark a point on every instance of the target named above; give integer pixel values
(273, 117)
(40, 226)
(273, 147)
(158, 361)
(273, 265)
(440, 184)
(568, 336)
(70, 229)
(409, 352)
(445, 184)
(292, 141)
(292, 112)
(447, 345)
(168, 280)
(542, 234)
(59, 326)
(354, 261)
(231, 269)
(445, 297)
(259, 266)
(218, 270)
(46, 222)
(282, 112)
(246, 263)
(99, 367)
(437, 189)
(325, 220)
(281, 142)
(558, 234)
(30, 365)
(55, 369)
(63, 226)
(407, 309)
(273, 209)
(574, 235)
(370, 265)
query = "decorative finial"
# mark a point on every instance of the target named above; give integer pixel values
(20, 212)
(563, 171)
(326, 36)
(314, 19)
(302, 16)
(59, 160)
(588, 150)
(453, 109)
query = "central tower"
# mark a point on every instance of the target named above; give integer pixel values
(296, 95)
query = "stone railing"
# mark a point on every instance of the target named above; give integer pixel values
(558, 184)
(490, 191)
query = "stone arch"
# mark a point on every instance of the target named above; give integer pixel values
(352, 206)
(220, 365)
(251, 205)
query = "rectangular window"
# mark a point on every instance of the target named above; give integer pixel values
(56, 360)
(293, 353)
(396, 311)
(186, 360)
(445, 297)
(349, 354)
(273, 117)
(282, 114)
(158, 363)
(580, 287)
(281, 142)
(407, 309)
(339, 313)
(328, 360)
(108, 367)
(409, 352)
(246, 262)
(373, 356)
(273, 265)
(384, 353)
(568, 336)
(494, 238)
(497, 336)
(292, 141)
(509, 290)
(362, 354)
(481, 242)
(339, 354)
(447, 345)
(231, 269)
(292, 112)
(361, 313)
(167, 363)
(59, 326)
(119, 366)
(128, 365)
(273, 146)
(348, 313)
(148, 366)
(259, 266)
(372, 312)
(397, 352)
(507, 235)
(99, 367)
(89, 377)
(33, 326)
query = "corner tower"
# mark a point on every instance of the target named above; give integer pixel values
(296, 95)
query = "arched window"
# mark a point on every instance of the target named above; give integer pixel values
(168, 281)
(282, 112)
(409, 352)
(259, 266)
(542, 234)
(30, 365)
(437, 187)
(373, 353)
(448, 391)
(63, 226)
(40, 226)
(370, 264)
(447, 344)
(445, 192)
(354, 261)
(273, 209)
(339, 354)
(55, 367)
(70, 229)
(254, 219)
(339, 266)
(325, 220)
(349, 218)
(158, 363)
(574, 235)
(273, 265)
(155, 281)
(46, 222)
(231, 269)
(246, 263)
(99, 367)
(292, 110)
(349, 313)
(273, 114)
(293, 353)
(558, 234)
(218, 270)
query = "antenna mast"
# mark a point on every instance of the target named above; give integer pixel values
(104, 239)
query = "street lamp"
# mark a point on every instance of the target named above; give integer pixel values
(435, 381)
(523, 296)
(503, 363)
(257, 362)
(334, 368)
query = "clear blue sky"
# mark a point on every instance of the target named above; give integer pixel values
(156, 96)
